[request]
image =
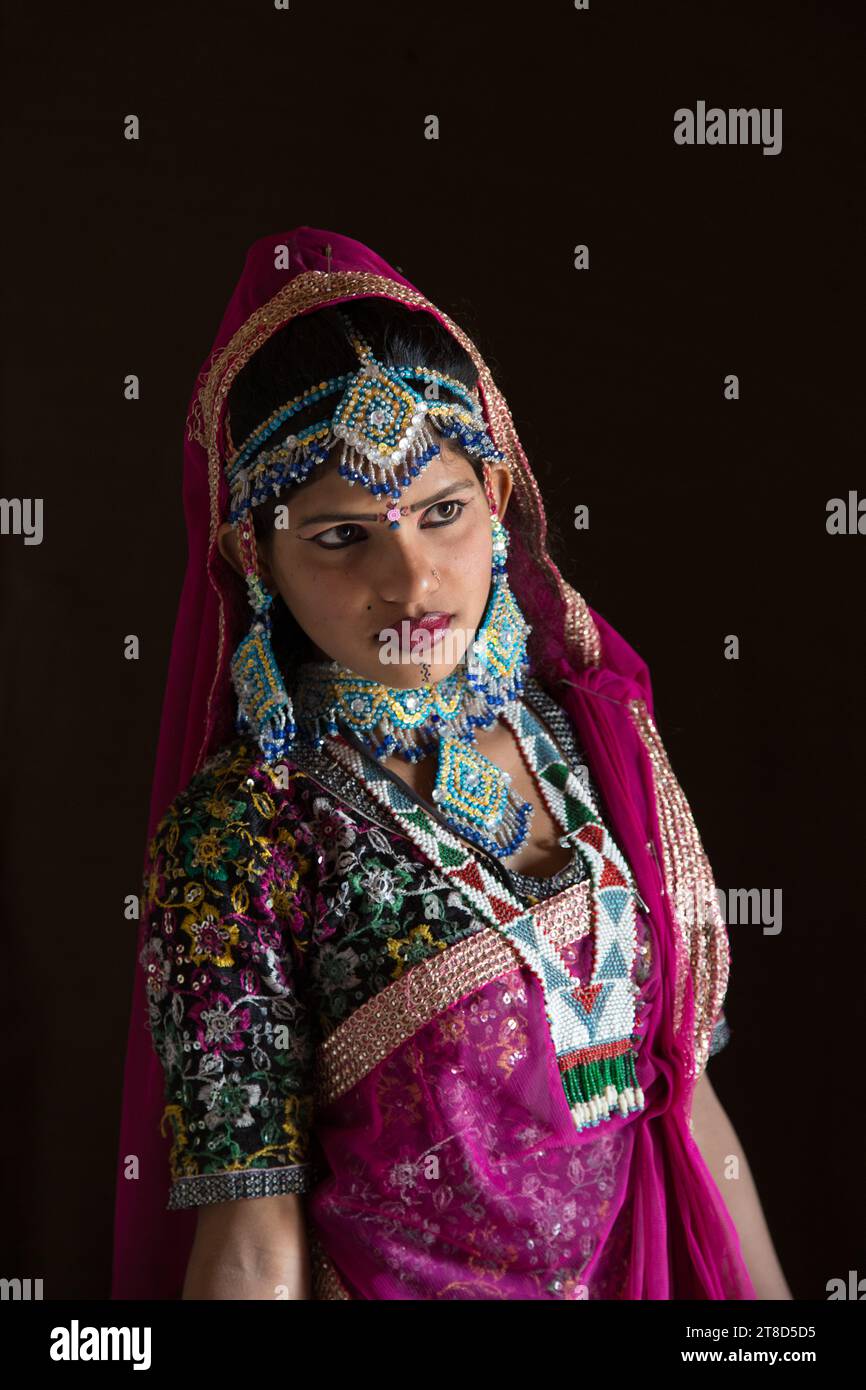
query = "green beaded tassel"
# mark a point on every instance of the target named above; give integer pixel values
(595, 1087)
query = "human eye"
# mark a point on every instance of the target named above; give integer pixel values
(339, 537)
(444, 513)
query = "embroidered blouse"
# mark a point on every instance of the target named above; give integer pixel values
(275, 904)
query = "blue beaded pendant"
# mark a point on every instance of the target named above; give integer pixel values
(475, 797)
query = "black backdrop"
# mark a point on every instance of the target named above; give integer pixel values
(707, 516)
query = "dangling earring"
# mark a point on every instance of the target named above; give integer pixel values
(500, 535)
(499, 649)
(264, 705)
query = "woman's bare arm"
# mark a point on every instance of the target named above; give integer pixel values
(717, 1140)
(250, 1248)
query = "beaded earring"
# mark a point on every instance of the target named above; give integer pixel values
(264, 705)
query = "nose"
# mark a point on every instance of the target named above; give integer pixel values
(405, 575)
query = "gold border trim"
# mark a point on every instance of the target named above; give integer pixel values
(704, 946)
(374, 1030)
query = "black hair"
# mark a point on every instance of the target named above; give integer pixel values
(312, 348)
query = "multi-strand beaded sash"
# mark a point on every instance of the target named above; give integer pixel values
(591, 1023)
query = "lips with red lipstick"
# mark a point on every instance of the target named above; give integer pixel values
(431, 623)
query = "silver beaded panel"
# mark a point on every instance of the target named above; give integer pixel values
(205, 1188)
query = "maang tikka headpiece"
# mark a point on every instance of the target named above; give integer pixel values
(384, 427)
(382, 422)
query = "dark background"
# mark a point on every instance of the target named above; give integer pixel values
(707, 516)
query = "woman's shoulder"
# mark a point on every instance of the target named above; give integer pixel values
(232, 819)
(235, 782)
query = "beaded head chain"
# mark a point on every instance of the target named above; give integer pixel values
(382, 422)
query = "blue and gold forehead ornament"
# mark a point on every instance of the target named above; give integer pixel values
(382, 422)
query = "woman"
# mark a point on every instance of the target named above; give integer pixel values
(431, 961)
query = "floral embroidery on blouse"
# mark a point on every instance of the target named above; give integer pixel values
(228, 917)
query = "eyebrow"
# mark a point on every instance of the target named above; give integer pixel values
(374, 516)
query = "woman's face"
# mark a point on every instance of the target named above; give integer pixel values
(390, 604)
